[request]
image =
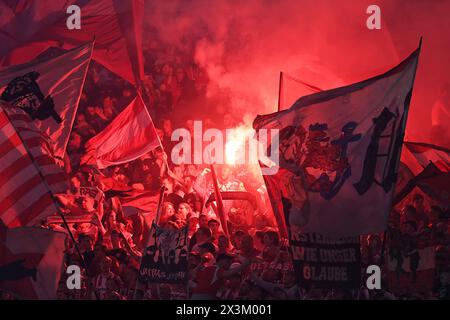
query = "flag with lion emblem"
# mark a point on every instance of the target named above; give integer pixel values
(339, 152)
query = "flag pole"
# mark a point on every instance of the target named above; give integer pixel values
(220, 208)
(81, 92)
(66, 225)
(406, 114)
(218, 196)
(280, 89)
(160, 202)
(309, 86)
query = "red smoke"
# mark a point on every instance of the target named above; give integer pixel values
(244, 45)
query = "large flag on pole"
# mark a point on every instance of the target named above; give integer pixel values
(48, 91)
(28, 173)
(339, 153)
(129, 136)
(31, 261)
(30, 27)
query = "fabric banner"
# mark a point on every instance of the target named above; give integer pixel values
(339, 152)
(28, 173)
(258, 267)
(48, 91)
(166, 256)
(144, 201)
(34, 26)
(31, 261)
(320, 262)
(92, 192)
(418, 156)
(129, 136)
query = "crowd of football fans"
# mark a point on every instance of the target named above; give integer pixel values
(251, 261)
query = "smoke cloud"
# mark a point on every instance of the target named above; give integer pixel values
(243, 45)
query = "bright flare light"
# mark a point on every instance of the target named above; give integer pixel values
(235, 147)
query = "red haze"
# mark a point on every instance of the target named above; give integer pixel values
(244, 45)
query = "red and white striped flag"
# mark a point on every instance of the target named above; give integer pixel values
(28, 173)
(129, 136)
(417, 156)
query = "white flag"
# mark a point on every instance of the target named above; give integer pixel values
(48, 90)
(339, 153)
